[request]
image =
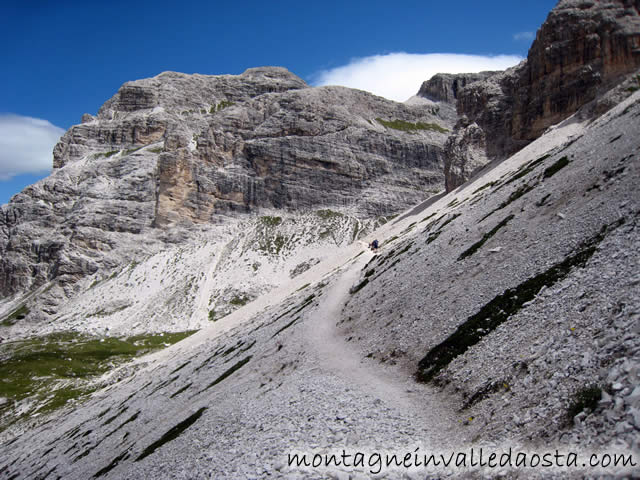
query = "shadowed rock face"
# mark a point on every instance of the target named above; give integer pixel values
(583, 49)
(176, 151)
(444, 87)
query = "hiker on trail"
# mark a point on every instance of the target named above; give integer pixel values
(374, 246)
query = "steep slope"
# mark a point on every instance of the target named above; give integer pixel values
(170, 159)
(518, 293)
(506, 298)
(582, 50)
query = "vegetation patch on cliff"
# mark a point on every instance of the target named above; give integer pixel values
(556, 167)
(584, 399)
(220, 106)
(270, 221)
(18, 314)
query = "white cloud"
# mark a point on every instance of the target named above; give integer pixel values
(398, 76)
(26, 145)
(524, 36)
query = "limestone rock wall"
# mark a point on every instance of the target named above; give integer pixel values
(444, 87)
(583, 49)
(178, 152)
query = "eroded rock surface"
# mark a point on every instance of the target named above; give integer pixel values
(583, 49)
(174, 153)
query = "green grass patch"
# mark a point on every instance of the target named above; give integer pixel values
(449, 220)
(272, 243)
(585, 399)
(556, 167)
(105, 313)
(270, 221)
(385, 219)
(501, 308)
(473, 248)
(486, 185)
(392, 239)
(156, 149)
(433, 235)
(429, 217)
(404, 250)
(18, 314)
(56, 368)
(327, 214)
(239, 301)
(405, 126)
(221, 106)
(132, 150)
(408, 229)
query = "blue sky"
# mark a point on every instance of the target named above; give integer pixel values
(64, 58)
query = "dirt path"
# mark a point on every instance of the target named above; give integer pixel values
(393, 387)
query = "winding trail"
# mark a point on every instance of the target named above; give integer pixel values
(394, 387)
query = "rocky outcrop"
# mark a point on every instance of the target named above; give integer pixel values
(466, 152)
(444, 87)
(583, 49)
(177, 152)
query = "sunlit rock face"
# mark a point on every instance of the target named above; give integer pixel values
(583, 49)
(175, 152)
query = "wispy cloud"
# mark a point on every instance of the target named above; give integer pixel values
(398, 76)
(524, 36)
(26, 145)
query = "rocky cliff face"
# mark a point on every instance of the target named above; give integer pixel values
(175, 154)
(583, 49)
(444, 87)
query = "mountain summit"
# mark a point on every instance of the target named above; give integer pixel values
(583, 50)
